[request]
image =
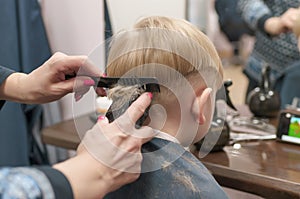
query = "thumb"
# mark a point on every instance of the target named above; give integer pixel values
(146, 133)
(67, 85)
(80, 148)
(102, 120)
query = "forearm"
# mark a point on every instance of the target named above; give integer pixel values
(14, 89)
(254, 12)
(4, 73)
(87, 180)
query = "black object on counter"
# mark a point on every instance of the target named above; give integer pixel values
(263, 101)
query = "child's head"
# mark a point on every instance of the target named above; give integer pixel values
(186, 64)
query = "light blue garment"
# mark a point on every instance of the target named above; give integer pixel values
(34, 183)
(28, 183)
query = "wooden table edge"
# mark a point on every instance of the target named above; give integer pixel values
(258, 184)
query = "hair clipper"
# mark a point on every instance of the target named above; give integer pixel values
(124, 91)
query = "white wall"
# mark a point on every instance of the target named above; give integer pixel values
(124, 13)
(213, 31)
(198, 13)
(74, 27)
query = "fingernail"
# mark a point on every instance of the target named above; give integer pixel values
(209, 90)
(101, 117)
(78, 97)
(104, 75)
(150, 95)
(89, 82)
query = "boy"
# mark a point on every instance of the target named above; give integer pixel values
(189, 72)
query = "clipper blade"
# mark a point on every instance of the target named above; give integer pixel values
(149, 84)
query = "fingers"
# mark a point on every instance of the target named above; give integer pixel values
(74, 65)
(89, 69)
(122, 145)
(296, 25)
(82, 85)
(80, 148)
(100, 91)
(148, 133)
(79, 67)
(67, 64)
(138, 107)
(289, 17)
(102, 120)
(126, 122)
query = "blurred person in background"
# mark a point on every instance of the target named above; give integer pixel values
(275, 44)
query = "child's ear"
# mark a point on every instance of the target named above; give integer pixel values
(199, 104)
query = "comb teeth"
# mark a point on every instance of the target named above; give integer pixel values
(150, 84)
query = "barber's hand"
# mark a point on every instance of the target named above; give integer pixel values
(110, 154)
(48, 83)
(283, 23)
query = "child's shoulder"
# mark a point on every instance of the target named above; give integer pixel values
(178, 174)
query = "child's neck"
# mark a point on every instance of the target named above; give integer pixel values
(165, 136)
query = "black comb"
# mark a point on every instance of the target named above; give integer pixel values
(149, 84)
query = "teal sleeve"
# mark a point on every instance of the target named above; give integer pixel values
(4, 73)
(59, 183)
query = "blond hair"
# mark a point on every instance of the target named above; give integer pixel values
(159, 41)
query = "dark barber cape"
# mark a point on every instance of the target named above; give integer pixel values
(23, 47)
(186, 177)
